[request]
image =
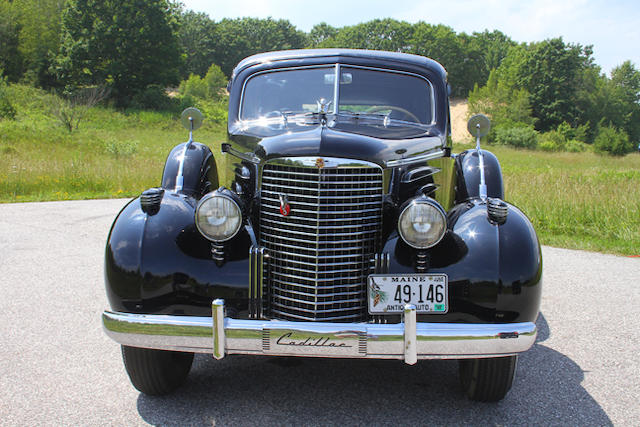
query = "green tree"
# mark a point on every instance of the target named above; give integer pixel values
(463, 62)
(197, 37)
(320, 33)
(127, 45)
(494, 46)
(624, 96)
(10, 57)
(552, 73)
(379, 34)
(40, 26)
(239, 38)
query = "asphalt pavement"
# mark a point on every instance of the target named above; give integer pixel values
(58, 368)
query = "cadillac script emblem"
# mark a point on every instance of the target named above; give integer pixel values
(285, 207)
(319, 162)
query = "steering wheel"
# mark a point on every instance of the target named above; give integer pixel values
(404, 111)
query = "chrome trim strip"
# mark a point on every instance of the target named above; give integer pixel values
(308, 294)
(307, 181)
(415, 159)
(410, 335)
(220, 336)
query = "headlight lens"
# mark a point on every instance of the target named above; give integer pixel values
(422, 223)
(218, 217)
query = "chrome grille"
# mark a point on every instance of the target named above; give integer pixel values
(319, 256)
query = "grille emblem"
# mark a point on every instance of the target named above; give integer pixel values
(285, 208)
(319, 162)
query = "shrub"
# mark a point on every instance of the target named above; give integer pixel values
(521, 137)
(119, 148)
(552, 141)
(70, 111)
(214, 111)
(579, 133)
(194, 86)
(216, 81)
(574, 146)
(153, 97)
(612, 141)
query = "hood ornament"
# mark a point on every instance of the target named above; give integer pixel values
(285, 207)
(319, 162)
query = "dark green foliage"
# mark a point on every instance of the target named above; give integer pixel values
(494, 46)
(320, 33)
(238, 38)
(613, 141)
(456, 53)
(29, 39)
(519, 137)
(10, 58)
(198, 41)
(127, 45)
(379, 34)
(552, 74)
(154, 97)
(7, 110)
(623, 107)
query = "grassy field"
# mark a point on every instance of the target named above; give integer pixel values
(575, 200)
(112, 154)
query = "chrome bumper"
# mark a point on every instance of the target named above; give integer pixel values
(409, 341)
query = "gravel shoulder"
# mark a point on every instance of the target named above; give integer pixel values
(58, 367)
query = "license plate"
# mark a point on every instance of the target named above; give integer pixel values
(390, 293)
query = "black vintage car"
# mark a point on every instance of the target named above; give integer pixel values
(338, 224)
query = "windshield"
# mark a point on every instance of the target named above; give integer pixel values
(362, 100)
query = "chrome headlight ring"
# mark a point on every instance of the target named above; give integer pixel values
(218, 217)
(422, 223)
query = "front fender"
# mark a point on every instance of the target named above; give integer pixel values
(160, 263)
(494, 271)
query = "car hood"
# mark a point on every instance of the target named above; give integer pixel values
(328, 142)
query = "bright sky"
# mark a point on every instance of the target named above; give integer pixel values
(612, 27)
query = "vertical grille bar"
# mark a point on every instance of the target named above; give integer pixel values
(321, 253)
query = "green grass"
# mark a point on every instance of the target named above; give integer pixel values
(575, 200)
(112, 154)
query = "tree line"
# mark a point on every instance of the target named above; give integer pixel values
(136, 46)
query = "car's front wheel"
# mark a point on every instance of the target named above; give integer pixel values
(156, 372)
(487, 380)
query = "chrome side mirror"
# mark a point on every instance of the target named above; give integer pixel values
(479, 126)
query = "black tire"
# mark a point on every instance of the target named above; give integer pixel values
(487, 380)
(156, 372)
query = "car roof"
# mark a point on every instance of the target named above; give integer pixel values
(396, 57)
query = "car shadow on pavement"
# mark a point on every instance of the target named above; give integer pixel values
(250, 390)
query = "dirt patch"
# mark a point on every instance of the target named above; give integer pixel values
(459, 110)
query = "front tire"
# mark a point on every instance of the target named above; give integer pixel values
(156, 372)
(487, 380)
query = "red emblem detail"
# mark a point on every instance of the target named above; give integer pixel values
(319, 162)
(285, 208)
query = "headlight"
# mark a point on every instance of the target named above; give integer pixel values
(422, 223)
(218, 217)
